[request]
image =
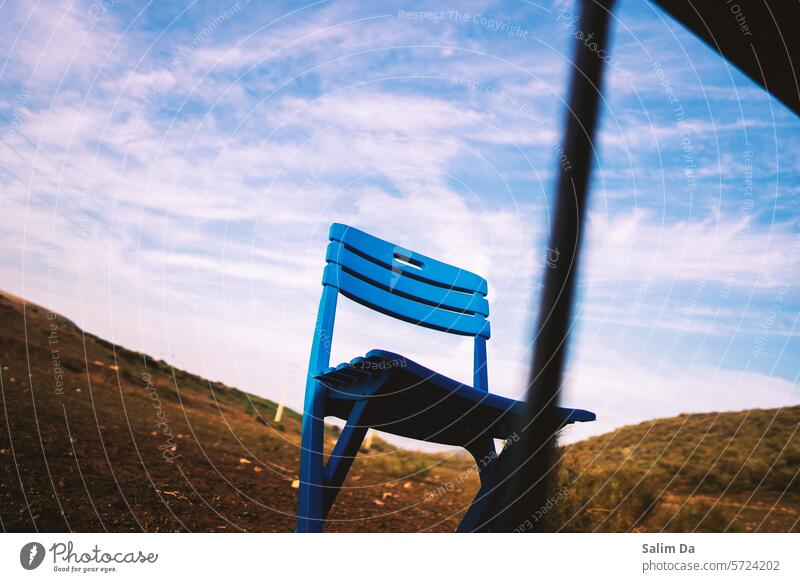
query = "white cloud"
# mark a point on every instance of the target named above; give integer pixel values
(184, 208)
(726, 250)
(624, 390)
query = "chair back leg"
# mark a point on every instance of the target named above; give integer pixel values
(312, 443)
(310, 502)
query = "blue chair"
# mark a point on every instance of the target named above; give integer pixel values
(386, 391)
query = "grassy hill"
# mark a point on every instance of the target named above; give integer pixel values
(96, 437)
(734, 471)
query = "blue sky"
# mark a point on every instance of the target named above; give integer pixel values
(170, 172)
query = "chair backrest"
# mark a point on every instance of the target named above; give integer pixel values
(406, 285)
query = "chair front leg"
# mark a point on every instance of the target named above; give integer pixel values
(344, 453)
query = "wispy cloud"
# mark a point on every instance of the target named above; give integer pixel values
(171, 175)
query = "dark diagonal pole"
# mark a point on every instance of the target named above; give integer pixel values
(523, 477)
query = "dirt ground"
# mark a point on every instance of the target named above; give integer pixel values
(93, 440)
(94, 437)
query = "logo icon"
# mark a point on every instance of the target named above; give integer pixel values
(31, 555)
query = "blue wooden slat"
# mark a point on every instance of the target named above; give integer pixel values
(402, 308)
(393, 279)
(424, 268)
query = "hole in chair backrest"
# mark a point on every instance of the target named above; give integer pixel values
(408, 261)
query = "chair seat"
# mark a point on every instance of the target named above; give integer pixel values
(409, 400)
